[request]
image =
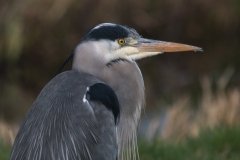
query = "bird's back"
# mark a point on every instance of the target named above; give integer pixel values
(68, 120)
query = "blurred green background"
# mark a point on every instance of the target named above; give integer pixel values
(186, 93)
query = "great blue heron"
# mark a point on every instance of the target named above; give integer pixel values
(92, 111)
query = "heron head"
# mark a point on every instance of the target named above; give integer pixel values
(108, 42)
(114, 41)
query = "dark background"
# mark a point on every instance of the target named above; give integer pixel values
(36, 36)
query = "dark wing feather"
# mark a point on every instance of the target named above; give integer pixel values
(60, 125)
(101, 92)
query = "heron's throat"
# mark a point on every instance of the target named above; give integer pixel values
(127, 83)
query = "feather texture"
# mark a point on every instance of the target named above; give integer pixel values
(61, 126)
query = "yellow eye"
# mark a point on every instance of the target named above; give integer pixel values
(121, 41)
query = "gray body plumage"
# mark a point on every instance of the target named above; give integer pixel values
(61, 126)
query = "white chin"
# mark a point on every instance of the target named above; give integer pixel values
(142, 55)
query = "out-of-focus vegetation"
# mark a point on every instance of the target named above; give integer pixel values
(5, 151)
(194, 91)
(181, 119)
(217, 144)
(37, 36)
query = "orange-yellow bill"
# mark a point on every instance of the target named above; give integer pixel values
(147, 45)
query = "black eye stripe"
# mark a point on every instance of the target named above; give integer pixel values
(111, 32)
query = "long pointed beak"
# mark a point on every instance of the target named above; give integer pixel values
(148, 45)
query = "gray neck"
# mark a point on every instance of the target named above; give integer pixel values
(125, 78)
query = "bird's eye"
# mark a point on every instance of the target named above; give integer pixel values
(121, 41)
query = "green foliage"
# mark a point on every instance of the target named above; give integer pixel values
(4, 152)
(220, 144)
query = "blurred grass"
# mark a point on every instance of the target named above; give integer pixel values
(216, 144)
(211, 144)
(4, 151)
(216, 107)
